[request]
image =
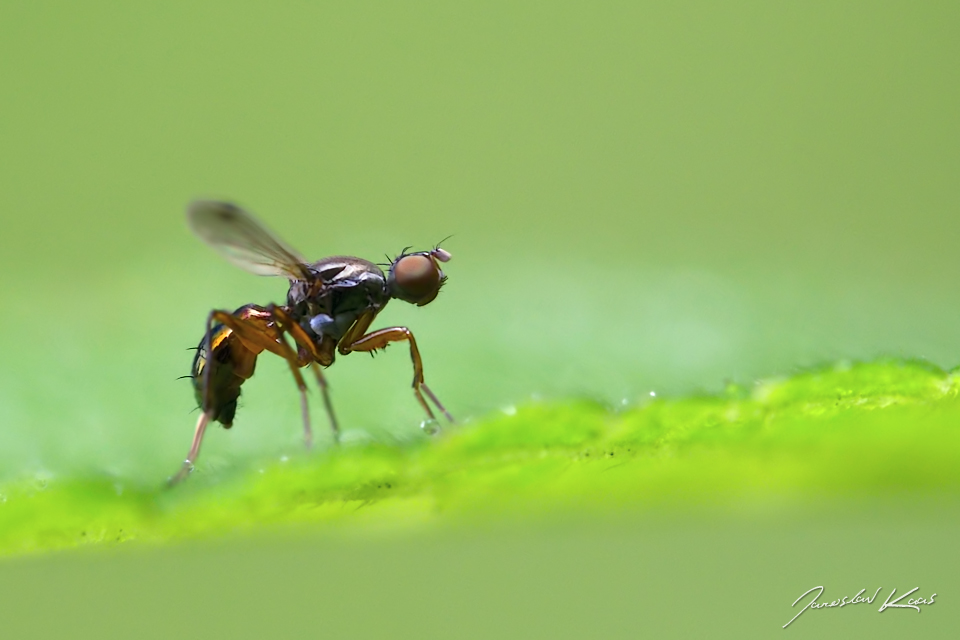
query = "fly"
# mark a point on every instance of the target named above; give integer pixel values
(330, 306)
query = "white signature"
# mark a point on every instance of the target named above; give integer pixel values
(912, 603)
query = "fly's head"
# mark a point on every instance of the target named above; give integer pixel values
(416, 277)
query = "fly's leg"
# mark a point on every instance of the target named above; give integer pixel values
(206, 410)
(322, 383)
(380, 339)
(301, 385)
(194, 450)
(271, 339)
(244, 334)
(285, 323)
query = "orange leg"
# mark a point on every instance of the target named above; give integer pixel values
(258, 330)
(206, 414)
(380, 339)
(285, 323)
(269, 337)
(258, 334)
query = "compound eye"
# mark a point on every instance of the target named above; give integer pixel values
(417, 275)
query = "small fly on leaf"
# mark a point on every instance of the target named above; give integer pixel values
(330, 306)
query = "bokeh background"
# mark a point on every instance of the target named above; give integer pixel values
(644, 197)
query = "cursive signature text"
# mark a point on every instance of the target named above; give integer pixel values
(889, 603)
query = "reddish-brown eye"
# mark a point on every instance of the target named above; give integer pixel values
(417, 275)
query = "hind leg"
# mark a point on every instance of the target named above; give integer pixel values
(221, 366)
(194, 450)
(259, 330)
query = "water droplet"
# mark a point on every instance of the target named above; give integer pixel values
(624, 402)
(653, 394)
(430, 427)
(284, 458)
(510, 410)
(42, 479)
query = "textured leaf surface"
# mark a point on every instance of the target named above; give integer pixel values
(863, 429)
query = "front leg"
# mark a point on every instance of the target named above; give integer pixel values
(380, 339)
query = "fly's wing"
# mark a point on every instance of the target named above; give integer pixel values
(241, 239)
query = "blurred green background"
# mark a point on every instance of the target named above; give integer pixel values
(644, 197)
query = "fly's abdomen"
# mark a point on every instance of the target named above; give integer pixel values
(230, 363)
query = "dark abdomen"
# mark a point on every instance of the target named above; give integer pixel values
(231, 363)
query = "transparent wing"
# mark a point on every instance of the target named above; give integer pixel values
(241, 239)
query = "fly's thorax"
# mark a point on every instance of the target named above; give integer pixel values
(340, 306)
(346, 288)
(333, 274)
(343, 269)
